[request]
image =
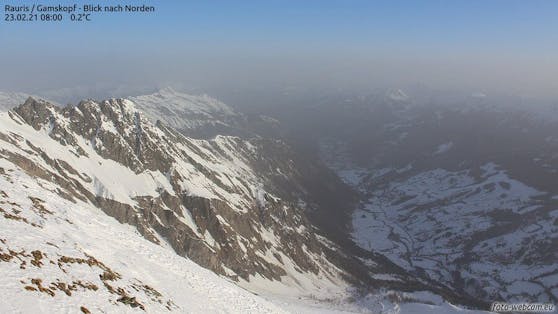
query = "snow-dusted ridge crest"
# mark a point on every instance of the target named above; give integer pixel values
(194, 115)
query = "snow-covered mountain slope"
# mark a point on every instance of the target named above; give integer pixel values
(191, 115)
(58, 255)
(463, 195)
(203, 197)
(484, 230)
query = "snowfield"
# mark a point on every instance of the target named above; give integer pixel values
(78, 230)
(479, 225)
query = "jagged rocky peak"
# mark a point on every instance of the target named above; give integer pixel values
(206, 198)
(114, 128)
(35, 112)
(33, 108)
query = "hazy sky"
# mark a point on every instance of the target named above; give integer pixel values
(477, 45)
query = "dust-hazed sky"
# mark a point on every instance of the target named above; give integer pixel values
(505, 46)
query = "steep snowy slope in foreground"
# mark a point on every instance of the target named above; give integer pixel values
(59, 256)
(203, 197)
